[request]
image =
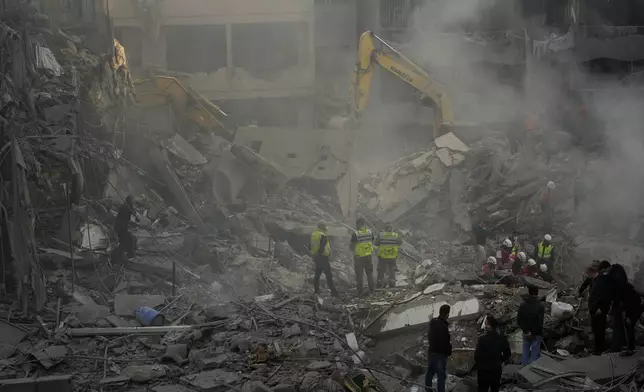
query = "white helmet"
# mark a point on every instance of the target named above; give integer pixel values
(521, 256)
(551, 185)
(507, 242)
(543, 268)
(532, 262)
(547, 237)
(491, 260)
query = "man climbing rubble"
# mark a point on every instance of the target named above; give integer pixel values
(599, 303)
(362, 246)
(388, 243)
(321, 252)
(530, 319)
(544, 252)
(127, 242)
(440, 347)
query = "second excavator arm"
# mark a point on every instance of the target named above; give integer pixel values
(402, 67)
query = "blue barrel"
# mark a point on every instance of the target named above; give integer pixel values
(149, 317)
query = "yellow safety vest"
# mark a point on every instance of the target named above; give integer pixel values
(315, 243)
(544, 252)
(516, 249)
(364, 244)
(388, 248)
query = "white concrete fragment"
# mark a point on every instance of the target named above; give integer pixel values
(352, 341)
(434, 288)
(184, 150)
(444, 156)
(561, 310)
(449, 140)
(457, 158)
(264, 298)
(421, 160)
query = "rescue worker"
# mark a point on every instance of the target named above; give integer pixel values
(530, 319)
(532, 269)
(504, 252)
(439, 349)
(544, 274)
(489, 267)
(599, 302)
(127, 242)
(544, 252)
(321, 253)
(492, 350)
(516, 246)
(519, 261)
(388, 243)
(362, 246)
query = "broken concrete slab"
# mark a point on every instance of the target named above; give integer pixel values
(417, 313)
(11, 334)
(50, 383)
(51, 356)
(126, 304)
(171, 388)
(145, 373)
(449, 140)
(540, 284)
(184, 150)
(434, 288)
(410, 202)
(210, 381)
(444, 156)
(604, 368)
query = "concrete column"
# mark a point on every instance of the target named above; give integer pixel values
(230, 71)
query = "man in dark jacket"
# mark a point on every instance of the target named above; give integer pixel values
(619, 280)
(127, 242)
(631, 303)
(492, 350)
(440, 347)
(530, 320)
(591, 274)
(599, 302)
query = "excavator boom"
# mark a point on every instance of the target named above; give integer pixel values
(402, 67)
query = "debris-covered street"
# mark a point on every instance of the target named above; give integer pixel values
(168, 224)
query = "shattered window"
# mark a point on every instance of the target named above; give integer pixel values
(195, 49)
(267, 49)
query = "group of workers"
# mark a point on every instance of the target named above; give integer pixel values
(612, 296)
(363, 245)
(510, 256)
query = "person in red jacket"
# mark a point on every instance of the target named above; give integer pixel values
(531, 269)
(504, 254)
(490, 266)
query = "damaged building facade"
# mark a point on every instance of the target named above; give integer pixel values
(255, 57)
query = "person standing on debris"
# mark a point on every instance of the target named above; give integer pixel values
(388, 243)
(544, 252)
(631, 303)
(489, 267)
(516, 246)
(530, 320)
(599, 303)
(492, 350)
(480, 240)
(504, 252)
(440, 347)
(362, 246)
(321, 252)
(618, 282)
(532, 269)
(519, 261)
(127, 242)
(591, 274)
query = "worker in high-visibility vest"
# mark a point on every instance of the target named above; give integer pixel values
(388, 243)
(362, 247)
(544, 252)
(321, 253)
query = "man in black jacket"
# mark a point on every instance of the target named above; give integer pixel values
(599, 302)
(440, 347)
(492, 350)
(631, 303)
(530, 320)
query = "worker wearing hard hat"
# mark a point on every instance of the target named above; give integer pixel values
(532, 269)
(362, 246)
(544, 252)
(388, 243)
(516, 245)
(519, 261)
(321, 252)
(544, 273)
(504, 253)
(490, 267)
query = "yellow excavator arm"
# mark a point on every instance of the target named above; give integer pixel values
(163, 90)
(402, 67)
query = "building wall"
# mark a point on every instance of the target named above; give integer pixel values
(234, 51)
